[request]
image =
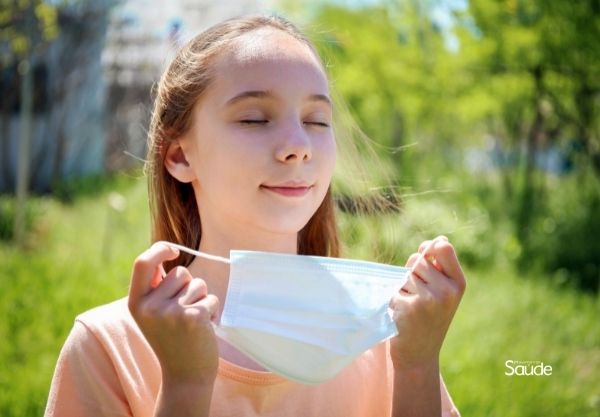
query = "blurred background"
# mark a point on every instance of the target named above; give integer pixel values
(484, 113)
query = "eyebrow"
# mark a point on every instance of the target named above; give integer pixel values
(261, 94)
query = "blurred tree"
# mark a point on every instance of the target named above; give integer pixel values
(25, 27)
(26, 24)
(543, 64)
(571, 52)
(525, 75)
(390, 65)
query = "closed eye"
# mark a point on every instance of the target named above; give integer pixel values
(253, 122)
(322, 124)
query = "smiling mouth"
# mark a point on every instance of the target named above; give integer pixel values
(288, 191)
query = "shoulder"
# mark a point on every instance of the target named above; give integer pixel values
(93, 340)
(111, 313)
(105, 367)
(113, 318)
(112, 328)
(109, 336)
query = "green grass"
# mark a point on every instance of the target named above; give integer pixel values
(504, 316)
(79, 255)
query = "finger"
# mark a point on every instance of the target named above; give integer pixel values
(409, 286)
(411, 260)
(171, 285)
(445, 255)
(419, 283)
(436, 281)
(425, 276)
(206, 309)
(146, 269)
(411, 263)
(426, 246)
(194, 291)
(398, 301)
(400, 304)
(426, 243)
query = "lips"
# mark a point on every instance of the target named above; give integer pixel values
(289, 189)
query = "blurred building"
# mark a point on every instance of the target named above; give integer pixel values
(92, 86)
(68, 137)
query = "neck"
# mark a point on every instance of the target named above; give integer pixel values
(216, 241)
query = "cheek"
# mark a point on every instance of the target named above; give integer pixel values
(327, 152)
(228, 160)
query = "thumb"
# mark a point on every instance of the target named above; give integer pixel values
(147, 268)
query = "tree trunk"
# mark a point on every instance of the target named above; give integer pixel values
(585, 104)
(529, 192)
(22, 185)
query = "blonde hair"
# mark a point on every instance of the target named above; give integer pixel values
(173, 206)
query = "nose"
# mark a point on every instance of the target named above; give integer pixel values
(295, 144)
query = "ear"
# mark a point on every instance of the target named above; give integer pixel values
(177, 164)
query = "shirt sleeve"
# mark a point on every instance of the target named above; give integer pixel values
(85, 382)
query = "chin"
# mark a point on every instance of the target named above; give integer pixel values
(284, 228)
(286, 223)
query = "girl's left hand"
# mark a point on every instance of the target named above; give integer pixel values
(425, 306)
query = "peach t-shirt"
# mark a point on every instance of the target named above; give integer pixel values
(106, 368)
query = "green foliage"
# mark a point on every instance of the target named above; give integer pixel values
(507, 316)
(564, 239)
(25, 25)
(81, 256)
(77, 256)
(466, 207)
(390, 70)
(7, 216)
(525, 76)
(75, 188)
(423, 106)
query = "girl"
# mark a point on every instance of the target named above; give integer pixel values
(241, 156)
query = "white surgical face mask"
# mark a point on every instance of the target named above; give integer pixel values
(306, 317)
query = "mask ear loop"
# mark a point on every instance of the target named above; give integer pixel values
(191, 252)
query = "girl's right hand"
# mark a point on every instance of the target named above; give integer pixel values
(174, 313)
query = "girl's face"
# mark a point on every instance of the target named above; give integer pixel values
(261, 146)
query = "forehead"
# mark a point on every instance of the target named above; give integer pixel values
(269, 43)
(266, 59)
